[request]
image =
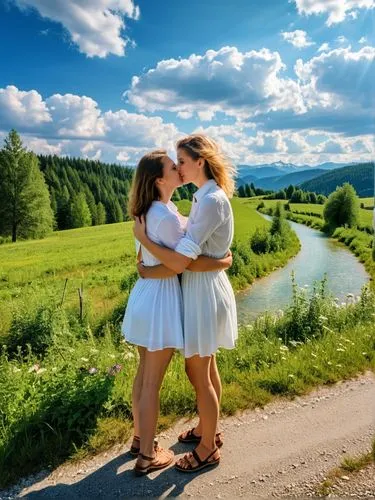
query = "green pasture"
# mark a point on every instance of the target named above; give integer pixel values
(96, 258)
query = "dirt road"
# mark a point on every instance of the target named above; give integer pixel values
(282, 450)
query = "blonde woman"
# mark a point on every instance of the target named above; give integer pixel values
(153, 317)
(210, 319)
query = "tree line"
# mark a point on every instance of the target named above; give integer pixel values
(41, 193)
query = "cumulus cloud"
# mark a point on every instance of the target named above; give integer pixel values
(346, 76)
(362, 40)
(324, 47)
(297, 38)
(238, 84)
(75, 125)
(337, 10)
(76, 116)
(95, 26)
(22, 108)
(245, 146)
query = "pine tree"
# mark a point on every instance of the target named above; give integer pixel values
(25, 207)
(101, 216)
(79, 211)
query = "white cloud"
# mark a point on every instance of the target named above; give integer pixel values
(76, 116)
(22, 108)
(42, 146)
(337, 10)
(235, 83)
(324, 47)
(95, 26)
(345, 78)
(362, 40)
(297, 38)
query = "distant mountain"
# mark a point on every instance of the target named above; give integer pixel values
(282, 181)
(279, 168)
(360, 175)
(248, 179)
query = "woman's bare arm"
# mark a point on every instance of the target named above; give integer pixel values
(155, 272)
(204, 264)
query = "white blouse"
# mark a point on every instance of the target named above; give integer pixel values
(210, 225)
(165, 226)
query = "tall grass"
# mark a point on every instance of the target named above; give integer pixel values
(73, 397)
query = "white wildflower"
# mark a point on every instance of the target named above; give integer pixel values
(84, 359)
(290, 375)
(340, 349)
(314, 355)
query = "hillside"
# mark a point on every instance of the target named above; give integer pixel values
(360, 175)
(283, 181)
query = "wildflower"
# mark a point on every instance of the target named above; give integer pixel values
(323, 318)
(364, 354)
(329, 363)
(128, 355)
(92, 370)
(84, 359)
(340, 349)
(283, 358)
(290, 375)
(34, 368)
(15, 369)
(314, 355)
(284, 348)
(338, 365)
(112, 356)
(114, 370)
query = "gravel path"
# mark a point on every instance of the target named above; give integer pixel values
(283, 450)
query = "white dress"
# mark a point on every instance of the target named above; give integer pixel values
(210, 315)
(154, 313)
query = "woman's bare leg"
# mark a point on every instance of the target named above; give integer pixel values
(216, 382)
(137, 388)
(208, 407)
(155, 366)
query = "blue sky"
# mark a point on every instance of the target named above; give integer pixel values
(111, 79)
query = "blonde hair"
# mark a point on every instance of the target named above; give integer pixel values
(217, 165)
(144, 189)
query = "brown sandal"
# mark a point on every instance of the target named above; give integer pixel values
(155, 463)
(134, 449)
(190, 437)
(201, 464)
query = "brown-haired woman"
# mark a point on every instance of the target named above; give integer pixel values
(210, 319)
(153, 316)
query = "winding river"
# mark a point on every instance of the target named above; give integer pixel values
(318, 255)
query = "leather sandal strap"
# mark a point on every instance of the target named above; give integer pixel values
(145, 457)
(197, 457)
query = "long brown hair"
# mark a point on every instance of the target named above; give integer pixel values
(217, 166)
(144, 189)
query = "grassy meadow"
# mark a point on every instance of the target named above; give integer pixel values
(66, 383)
(99, 258)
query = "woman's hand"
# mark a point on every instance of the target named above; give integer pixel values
(139, 229)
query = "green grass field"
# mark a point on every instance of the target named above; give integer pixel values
(365, 216)
(99, 257)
